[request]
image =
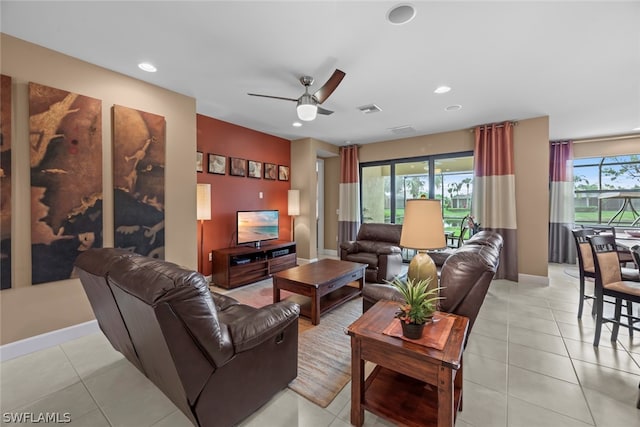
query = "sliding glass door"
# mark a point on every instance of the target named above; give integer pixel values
(376, 193)
(387, 185)
(454, 186)
(412, 182)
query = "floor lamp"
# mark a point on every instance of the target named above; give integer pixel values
(423, 229)
(293, 210)
(203, 212)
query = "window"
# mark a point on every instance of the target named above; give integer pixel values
(387, 185)
(606, 189)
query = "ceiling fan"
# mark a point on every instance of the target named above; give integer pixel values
(308, 104)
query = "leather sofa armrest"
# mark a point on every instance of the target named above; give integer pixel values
(349, 247)
(263, 324)
(388, 250)
(223, 301)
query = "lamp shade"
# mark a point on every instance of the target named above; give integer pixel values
(203, 202)
(423, 226)
(294, 202)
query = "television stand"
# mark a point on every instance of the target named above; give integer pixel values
(241, 265)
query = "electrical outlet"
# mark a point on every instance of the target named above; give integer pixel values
(210, 256)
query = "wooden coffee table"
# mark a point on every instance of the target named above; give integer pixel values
(320, 286)
(412, 384)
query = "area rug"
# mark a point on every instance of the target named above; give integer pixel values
(324, 351)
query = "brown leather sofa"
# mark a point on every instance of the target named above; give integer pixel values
(216, 359)
(465, 276)
(376, 245)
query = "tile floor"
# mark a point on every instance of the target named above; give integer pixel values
(529, 362)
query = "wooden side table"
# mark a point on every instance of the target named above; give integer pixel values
(412, 384)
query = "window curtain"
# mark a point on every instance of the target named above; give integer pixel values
(494, 191)
(349, 207)
(562, 247)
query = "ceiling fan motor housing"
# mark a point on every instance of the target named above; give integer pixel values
(306, 80)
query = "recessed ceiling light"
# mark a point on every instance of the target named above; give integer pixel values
(442, 89)
(455, 107)
(145, 66)
(296, 124)
(401, 14)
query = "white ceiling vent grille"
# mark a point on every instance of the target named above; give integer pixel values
(402, 130)
(371, 108)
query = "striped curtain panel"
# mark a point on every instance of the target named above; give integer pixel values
(349, 207)
(562, 247)
(494, 191)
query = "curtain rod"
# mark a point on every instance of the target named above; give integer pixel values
(606, 138)
(501, 125)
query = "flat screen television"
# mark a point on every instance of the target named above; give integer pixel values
(257, 226)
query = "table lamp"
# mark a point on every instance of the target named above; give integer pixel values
(423, 229)
(293, 209)
(203, 212)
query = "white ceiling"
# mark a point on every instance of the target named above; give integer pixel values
(577, 62)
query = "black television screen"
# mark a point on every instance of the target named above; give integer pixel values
(257, 226)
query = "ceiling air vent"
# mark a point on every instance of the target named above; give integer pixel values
(368, 109)
(403, 130)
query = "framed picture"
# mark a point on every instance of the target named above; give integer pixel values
(255, 169)
(270, 171)
(217, 164)
(199, 156)
(238, 167)
(283, 173)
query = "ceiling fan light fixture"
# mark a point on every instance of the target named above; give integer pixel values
(307, 112)
(307, 109)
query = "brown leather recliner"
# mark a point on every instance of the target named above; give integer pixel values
(465, 278)
(376, 245)
(216, 359)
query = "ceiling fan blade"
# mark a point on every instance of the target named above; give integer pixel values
(274, 97)
(324, 111)
(325, 91)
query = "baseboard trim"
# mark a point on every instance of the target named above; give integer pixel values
(535, 280)
(306, 261)
(330, 252)
(46, 340)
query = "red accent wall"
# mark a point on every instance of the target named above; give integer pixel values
(233, 193)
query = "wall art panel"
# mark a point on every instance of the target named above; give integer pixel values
(65, 141)
(138, 180)
(5, 182)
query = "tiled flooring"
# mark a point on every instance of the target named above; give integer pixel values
(529, 362)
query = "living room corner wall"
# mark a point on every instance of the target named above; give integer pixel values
(28, 310)
(331, 202)
(232, 193)
(303, 157)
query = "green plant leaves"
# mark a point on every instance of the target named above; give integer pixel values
(420, 300)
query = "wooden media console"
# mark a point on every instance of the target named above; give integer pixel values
(240, 265)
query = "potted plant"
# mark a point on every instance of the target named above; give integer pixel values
(418, 306)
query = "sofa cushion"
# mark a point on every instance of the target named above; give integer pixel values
(364, 258)
(376, 247)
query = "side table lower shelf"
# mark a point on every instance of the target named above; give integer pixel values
(402, 399)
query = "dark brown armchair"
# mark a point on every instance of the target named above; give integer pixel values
(216, 359)
(376, 245)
